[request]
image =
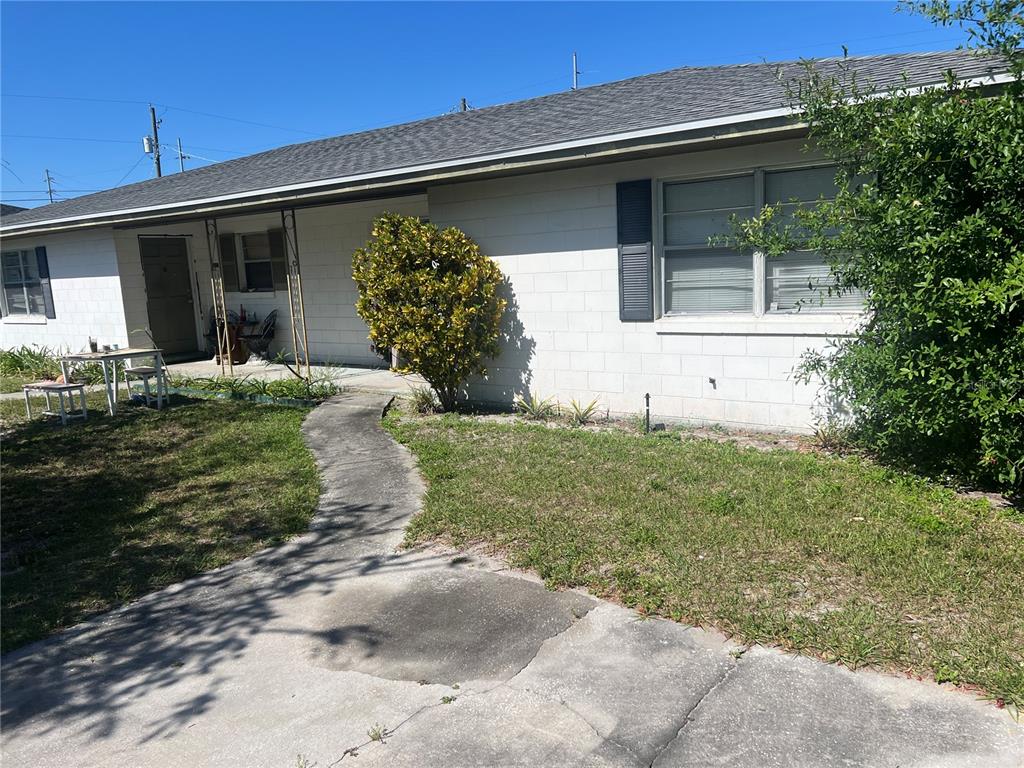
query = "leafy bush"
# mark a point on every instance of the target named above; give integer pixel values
(935, 237)
(534, 407)
(432, 295)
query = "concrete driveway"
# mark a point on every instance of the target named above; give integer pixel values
(295, 656)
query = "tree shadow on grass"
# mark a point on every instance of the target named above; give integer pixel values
(88, 677)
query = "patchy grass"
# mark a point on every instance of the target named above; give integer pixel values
(829, 556)
(102, 512)
(15, 381)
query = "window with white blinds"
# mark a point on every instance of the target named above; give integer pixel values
(699, 277)
(702, 278)
(801, 280)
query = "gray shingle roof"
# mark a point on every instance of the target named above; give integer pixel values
(651, 101)
(7, 209)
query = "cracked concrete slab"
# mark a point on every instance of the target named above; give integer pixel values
(631, 679)
(503, 727)
(777, 709)
(305, 648)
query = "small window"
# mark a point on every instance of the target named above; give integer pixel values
(22, 287)
(699, 277)
(256, 262)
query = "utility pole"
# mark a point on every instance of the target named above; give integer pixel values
(463, 106)
(49, 185)
(575, 72)
(181, 157)
(156, 140)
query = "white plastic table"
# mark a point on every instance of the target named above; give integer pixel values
(107, 360)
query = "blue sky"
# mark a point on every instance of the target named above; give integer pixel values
(290, 72)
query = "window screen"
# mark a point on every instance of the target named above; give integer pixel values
(700, 277)
(802, 280)
(259, 274)
(23, 290)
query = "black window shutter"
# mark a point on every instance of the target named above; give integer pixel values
(228, 262)
(44, 280)
(278, 259)
(636, 256)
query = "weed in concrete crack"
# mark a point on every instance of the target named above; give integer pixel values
(378, 733)
(448, 699)
(301, 761)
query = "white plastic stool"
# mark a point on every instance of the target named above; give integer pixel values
(145, 373)
(61, 389)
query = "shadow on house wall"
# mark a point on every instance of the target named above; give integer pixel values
(510, 374)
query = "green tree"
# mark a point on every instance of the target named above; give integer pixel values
(432, 295)
(929, 222)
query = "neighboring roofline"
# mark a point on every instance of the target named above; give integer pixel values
(297, 192)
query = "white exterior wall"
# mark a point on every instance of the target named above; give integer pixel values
(86, 293)
(554, 235)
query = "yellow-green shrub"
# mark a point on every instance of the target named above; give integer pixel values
(432, 295)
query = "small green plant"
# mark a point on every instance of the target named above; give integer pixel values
(448, 699)
(534, 407)
(830, 435)
(286, 389)
(637, 423)
(580, 415)
(424, 400)
(301, 761)
(378, 733)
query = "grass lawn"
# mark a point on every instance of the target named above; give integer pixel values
(102, 512)
(14, 382)
(829, 556)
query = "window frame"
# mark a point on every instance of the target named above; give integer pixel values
(241, 260)
(759, 305)
(38, 283)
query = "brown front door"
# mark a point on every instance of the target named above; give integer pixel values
(169, 293)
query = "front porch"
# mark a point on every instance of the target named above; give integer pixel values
(176, 278)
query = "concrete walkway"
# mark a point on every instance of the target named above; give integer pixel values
(304, 649)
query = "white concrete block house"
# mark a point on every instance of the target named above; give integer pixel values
(597, 204)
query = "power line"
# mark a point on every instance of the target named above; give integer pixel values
(165, 107)
(65, 138)
(7, 167)
(120, 141)
(129, 172)
(40, 191)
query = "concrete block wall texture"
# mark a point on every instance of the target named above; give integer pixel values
(554, 236)
(86, 294)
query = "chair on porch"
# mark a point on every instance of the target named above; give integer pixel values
(211, 330)
(259, 341)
